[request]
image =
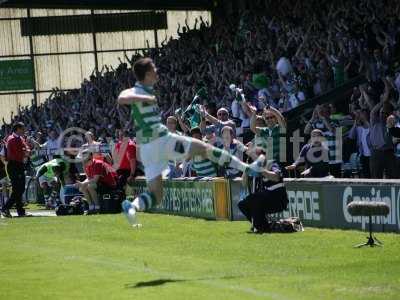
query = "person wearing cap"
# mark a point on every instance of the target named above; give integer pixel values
(218, 123)
(270, 135)
(17, 152)
(101, 179)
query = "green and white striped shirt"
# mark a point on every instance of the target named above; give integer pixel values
(146, 117)
(204, 167)
(269, 139)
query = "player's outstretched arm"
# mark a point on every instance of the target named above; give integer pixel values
(127, 97)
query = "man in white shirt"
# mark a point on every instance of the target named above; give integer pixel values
(52, 145)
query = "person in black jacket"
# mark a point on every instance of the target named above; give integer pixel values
(269, 197)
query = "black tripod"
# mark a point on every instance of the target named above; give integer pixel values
(372, 241)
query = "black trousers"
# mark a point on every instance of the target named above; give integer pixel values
(383, 162)
(123, 176)
(335, 170)
(16, 173)
(256, 206)
(365, 169)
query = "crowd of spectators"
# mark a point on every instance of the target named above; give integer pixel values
(279, 54)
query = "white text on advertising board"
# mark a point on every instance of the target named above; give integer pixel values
(390, 198)
(303, 204)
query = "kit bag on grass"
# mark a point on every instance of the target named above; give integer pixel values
(287, 225)
(75, 207)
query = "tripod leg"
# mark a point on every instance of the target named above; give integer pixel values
(361, 245)
(377, 242)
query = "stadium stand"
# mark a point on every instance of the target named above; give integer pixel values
(288, 54)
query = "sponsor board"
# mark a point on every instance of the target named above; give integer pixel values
(183, 197)
(324, 203)
(16, 75)
(304, 202)
(384, 193)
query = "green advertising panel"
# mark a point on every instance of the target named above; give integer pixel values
(183, 197)
(16, 75)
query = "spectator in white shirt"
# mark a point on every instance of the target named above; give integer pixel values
(52, 145)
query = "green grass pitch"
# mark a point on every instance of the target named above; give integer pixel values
(101, 257)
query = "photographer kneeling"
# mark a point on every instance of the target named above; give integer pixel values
(52, 176)
(101, 179)
(269, 197)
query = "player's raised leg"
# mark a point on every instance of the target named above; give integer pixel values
(224, 158)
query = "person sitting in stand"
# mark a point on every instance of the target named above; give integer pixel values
(315, 157)
(234, 147)
(201, 165)
(101, 179)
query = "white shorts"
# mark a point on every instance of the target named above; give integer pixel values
(155, 155)
(45, 179)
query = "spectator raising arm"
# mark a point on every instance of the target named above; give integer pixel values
(182, 124)
(280, 118)
(309, 125)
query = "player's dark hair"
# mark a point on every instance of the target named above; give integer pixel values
(141, 67)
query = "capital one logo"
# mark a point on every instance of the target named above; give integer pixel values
(389, 196)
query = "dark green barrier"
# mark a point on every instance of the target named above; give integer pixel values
(323, 203)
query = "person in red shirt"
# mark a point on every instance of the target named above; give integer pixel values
(17, 152)
(101, 179)
(124, 157)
